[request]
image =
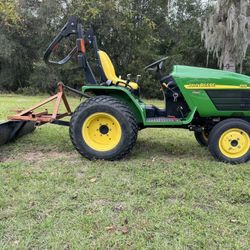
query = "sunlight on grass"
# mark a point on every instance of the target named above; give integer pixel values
(168, 194)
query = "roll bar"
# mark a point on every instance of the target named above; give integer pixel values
(73, 27)
(70, 28)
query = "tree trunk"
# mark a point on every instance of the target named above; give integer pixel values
(228, 62)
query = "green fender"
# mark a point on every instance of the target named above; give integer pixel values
(135, 104)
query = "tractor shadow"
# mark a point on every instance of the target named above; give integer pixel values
(179, 149)
(51, 140)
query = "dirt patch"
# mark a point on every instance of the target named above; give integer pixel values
(40, 156)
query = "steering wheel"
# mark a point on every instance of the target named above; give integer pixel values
(156, 65)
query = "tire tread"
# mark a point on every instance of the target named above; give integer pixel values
(116, 104)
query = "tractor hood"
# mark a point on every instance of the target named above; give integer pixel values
(203, 78)
(214, 93)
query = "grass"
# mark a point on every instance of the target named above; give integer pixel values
(168, 194)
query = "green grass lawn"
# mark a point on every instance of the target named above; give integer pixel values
(168, 194)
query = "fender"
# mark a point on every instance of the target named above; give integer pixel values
(135, 103)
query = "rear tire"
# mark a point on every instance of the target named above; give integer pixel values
(229, 141)
(202, 137)
(103, 128)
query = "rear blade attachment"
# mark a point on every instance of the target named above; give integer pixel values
(11, 130)
(24, 122)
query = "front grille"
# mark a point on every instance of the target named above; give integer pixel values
(230, 100)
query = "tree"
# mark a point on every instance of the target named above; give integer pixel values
(9, 19)
(184, 30)
(27, 27)
(8, 12)
(133, 32)
(226, 33)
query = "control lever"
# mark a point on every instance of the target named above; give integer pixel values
(128, 78)
(138, 78)
(175, 96)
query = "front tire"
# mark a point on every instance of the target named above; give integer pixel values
(103, 128)
(202, 137)
(229, 141)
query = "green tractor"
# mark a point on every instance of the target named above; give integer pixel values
(214, 104)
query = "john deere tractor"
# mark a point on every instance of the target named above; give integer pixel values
(214, 104)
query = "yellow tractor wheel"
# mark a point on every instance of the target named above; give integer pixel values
(229, 141)
(102, 131)
(103, 128)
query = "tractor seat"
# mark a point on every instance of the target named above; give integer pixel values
(110, 74)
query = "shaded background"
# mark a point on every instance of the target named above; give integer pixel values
(133, 32)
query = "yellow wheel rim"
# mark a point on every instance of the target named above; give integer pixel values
(205, 135)
(234, 143)
(102, 132)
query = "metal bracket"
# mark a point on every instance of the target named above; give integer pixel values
(44, 117)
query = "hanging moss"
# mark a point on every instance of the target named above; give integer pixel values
(226, 32)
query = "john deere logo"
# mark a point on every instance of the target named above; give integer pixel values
(215, 86)
(202, 85)
(243, 86)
